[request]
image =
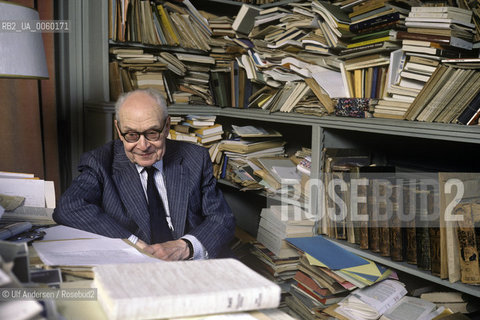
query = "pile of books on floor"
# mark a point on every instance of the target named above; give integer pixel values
(273, 255)
(279, 270)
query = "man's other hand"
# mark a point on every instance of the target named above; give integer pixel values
(170, 250)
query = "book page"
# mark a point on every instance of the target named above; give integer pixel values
(410, 308)
(89, 252)
(33, 190)
(68, 233)
(382, 295)
(182, 288)
(330, 81)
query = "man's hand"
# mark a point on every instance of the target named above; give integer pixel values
(170, 250)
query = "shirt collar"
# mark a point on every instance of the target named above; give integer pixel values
(158, 165)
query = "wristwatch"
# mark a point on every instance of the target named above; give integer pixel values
(190, 248)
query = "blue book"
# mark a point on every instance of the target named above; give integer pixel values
(327, 252)
(224, 167)
(373, 94)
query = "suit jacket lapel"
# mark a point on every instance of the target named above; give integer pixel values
(130, 189)
(176, 190)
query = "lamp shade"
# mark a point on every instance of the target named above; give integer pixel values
(21, 51)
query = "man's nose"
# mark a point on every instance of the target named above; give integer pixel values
(143, 143)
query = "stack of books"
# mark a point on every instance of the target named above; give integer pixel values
(327, 273)
(221, 26)
(242, 151)
(278, 270)
(439, 31)
(197, 129)
(334, 23)
(433, 33)
(280, 222)
(132, 68)
(450, 96)
(373, 22)
(197, 78)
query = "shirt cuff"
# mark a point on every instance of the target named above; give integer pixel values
(199, 251)
(133, 239)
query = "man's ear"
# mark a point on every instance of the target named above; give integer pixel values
(118, 135)
(167, 125)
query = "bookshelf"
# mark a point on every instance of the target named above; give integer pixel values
(408, 268)
(327, 131)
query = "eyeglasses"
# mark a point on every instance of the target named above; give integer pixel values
(150, 135)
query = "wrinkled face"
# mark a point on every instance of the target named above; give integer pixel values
(140, 114)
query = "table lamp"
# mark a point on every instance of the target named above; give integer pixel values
(21, 50)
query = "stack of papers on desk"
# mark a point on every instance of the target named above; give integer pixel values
(76, 251)
(26, 198)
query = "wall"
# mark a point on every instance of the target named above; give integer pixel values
(22, 114)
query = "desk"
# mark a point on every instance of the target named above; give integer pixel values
(80, 310)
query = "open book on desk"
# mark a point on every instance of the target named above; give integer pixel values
(74, 249)
(182, 288)
(91, 309)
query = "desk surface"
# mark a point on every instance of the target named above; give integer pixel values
(74, 309)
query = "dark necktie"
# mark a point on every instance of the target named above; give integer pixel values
(160, 232)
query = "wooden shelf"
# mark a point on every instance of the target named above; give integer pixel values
(408, 268)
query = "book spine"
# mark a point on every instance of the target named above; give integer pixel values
(367, 42)
(383, 230)
(373, 236)
(424, 261)
(472, 109)
(410, 232)
(359, 26)
(363, 211)
(361, 48)
(434, 236)
(404, 35)
(396, 238)
(423, 248)
(469, 267)
(358, 10)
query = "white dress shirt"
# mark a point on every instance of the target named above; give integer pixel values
(199, 251)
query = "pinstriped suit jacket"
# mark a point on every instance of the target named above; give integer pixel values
(107, 197)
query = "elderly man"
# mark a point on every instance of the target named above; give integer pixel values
(158, 193)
